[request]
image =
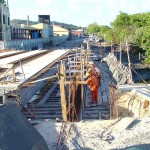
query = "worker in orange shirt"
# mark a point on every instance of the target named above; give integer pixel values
(92, 83)
(97, 72)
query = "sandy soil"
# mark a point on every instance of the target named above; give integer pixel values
(122, 133)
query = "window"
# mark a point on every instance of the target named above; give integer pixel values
(3, 19)
(0, 19)
(8, 21)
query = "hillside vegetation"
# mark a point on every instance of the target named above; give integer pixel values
(64, 25)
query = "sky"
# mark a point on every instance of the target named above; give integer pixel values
(77, 12)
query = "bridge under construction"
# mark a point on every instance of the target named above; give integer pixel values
(50, 84)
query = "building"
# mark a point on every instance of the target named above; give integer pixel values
(59, 31)
(46, 29)
(77, 33)
(26, 36)
(4, 22)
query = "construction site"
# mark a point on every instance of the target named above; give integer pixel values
(48, 90)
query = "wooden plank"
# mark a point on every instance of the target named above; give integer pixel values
(6, 65)
(50, 91)
(62, 93)
(78, 82)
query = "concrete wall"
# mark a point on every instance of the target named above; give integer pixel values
(59, 39)
(29, 44)
(135, 103)
(27, 93)
(119, 71)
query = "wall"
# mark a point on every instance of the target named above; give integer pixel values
(119, 71)
(31, 43)
(135, 103)
(32, 90)
(5, 27)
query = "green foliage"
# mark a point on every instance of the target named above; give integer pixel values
(135, 27)
(140, 19)
(93, 28)
(64, 25)
(122, 21)
(145, 43)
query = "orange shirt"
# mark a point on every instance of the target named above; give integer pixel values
(92, 82)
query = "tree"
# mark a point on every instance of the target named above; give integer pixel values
(122, 20)
(93, 28)
(145, 44)
(136, 27)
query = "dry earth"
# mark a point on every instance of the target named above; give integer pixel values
(122, 133)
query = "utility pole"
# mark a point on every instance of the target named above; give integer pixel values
(129, 63)
(120, 50)
(112, 50)
(104, 42)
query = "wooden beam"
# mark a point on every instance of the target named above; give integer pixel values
(62, 93)
(78, 82)
(13, 74)
(6, 65)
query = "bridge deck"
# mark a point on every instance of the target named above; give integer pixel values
(32, 67)
(15, 58)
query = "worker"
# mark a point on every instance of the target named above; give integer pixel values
(92, 83)
(95, 71)
(91, 69)
(98, 74)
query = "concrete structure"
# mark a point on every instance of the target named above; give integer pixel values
(59, 31)
(28, 71)
(17, 133)
(24, 38)
(46, 29)
(29, 44)
(4, 22)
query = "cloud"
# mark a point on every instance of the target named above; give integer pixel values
(73, 5)
(145, 5)
(43, 2)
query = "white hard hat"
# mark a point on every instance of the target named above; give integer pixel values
(91, 63)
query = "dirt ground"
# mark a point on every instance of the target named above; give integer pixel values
(122, 133)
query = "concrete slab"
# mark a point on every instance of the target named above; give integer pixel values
(8, 53)
(12, 59)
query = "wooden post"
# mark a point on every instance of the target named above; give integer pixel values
(112, 47)
(4, 97)
(22, 70)
(82, 86)
(129, 63)
(62, 92)
(120, 50)
(13, 73)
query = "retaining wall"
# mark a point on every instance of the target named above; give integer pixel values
(119, 71)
